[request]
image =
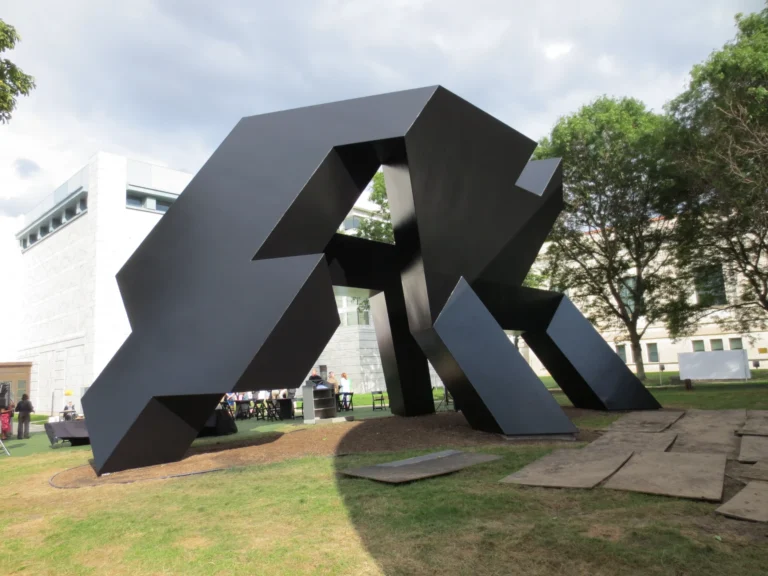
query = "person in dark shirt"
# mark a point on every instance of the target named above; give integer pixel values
(25, 409)
(315, 377)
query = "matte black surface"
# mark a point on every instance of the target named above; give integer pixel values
(74, 431)
(232, 289)
(219, 423)
(492, 383)
(585, 367)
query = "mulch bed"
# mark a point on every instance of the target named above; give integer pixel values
(445, 429)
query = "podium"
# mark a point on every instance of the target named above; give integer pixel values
(319, 403)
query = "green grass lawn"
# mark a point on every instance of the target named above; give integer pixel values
(667, 378)
(35, 418)
(301, 517)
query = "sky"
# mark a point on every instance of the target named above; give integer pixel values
(165, 80)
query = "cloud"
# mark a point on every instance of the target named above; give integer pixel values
(26, 168)
(557, 50)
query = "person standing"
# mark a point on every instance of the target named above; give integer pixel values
(6, 419)
(346, 385)
(333, 382)
(25, 409)
(345, 388)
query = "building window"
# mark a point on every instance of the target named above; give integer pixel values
(735, 344)
(653, 352)
(352, 223)
(23, 242)
(146, 202)
(70, 212)
(626, 293)
(709, 284)
(716, 344)
(162, 206)
(698, 345)
(621, 350)
(134, 201)
(56, 222)
(44, 231)
(83, 204)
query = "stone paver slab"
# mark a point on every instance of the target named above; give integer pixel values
(747, 472)
(753, 449)
(632, 442)
(569, 469)
(756, 425)
(749, 504)
(646, 421)
(709, 432)
(420, 467)
(696, 476)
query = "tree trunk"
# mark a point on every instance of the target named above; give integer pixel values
(637, 355)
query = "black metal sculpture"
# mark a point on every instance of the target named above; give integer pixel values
(232, 290)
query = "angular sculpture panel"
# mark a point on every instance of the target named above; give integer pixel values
(233, 289)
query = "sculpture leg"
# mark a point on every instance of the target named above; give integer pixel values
(405, 368)
(589, 372)
(585, 367)
(492, 383)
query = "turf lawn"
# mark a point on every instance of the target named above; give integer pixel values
(300, 517)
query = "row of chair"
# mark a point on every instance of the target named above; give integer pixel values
(268, 410)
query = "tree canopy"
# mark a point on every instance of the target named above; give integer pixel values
(608, 246)
(378, 228)
(13, 81)
(722, 152)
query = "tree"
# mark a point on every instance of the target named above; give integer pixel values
(378, 228)
(722, 151)
(13, 82)
(609, 247)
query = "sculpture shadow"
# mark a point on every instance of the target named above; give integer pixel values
(216, 445)
(435, 525)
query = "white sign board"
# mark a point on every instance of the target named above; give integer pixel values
(717, 365)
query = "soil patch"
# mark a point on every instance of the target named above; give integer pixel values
(610, 533)
(375, 435)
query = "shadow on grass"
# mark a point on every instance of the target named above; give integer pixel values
(433, 525)
(469, 523)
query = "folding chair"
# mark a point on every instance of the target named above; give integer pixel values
(259, 410)
(243, 410)
(377, 396)
(447, 399)
(273, 412)
(347, 401)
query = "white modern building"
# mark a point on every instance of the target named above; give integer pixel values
(73, 244)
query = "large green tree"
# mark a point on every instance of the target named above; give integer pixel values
(379, 227)
(722, 150)
(608, 248)
(13, 81)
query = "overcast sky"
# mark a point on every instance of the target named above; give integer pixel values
(165, 80)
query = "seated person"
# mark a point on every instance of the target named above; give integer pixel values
(69, 411)
(315, 378)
